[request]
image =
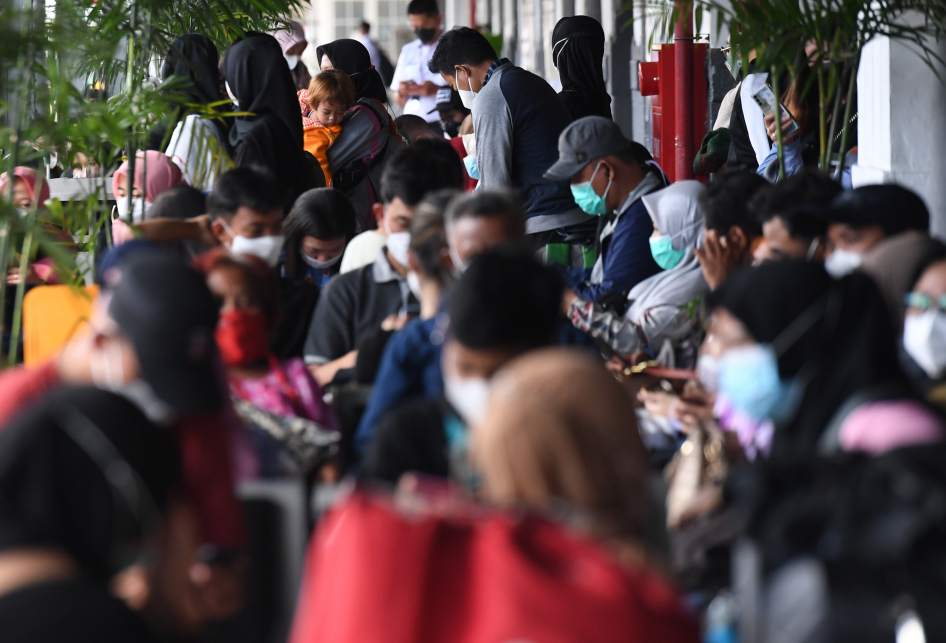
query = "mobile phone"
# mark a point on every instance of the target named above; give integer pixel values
(765, 97)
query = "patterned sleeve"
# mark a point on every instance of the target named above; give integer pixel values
(621, 334)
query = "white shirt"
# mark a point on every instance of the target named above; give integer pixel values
(362, 250)
(412, 65)
(196, 149)
(372, 48)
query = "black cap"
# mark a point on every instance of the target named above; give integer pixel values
(448, 98)
(892, 207)
(166, 310)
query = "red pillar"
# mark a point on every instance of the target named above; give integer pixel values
(683, 81)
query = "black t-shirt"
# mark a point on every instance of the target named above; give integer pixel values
(352, 305)
(297, 301)
(75, 610)
(411, 437)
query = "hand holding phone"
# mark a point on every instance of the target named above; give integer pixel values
(765, 97)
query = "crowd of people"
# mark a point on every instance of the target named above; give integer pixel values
(556, 397)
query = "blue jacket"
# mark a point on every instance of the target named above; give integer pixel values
(626, 259)
(517, 117)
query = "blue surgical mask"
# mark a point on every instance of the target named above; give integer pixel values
(664, 254)
(749, 378)
(471, 167)
(586, 197)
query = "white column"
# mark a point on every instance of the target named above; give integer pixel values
(902, 124)
(510, 30)
(495, 16)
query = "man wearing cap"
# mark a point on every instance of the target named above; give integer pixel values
(451, 111)
(151, 338)
(608, 179)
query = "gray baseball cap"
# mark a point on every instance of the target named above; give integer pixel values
(583, 141)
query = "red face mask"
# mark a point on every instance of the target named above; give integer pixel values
(241, 337)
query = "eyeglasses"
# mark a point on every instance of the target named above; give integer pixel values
(925, 302)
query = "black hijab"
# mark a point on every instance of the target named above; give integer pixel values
(194, 58)
(352, 58)
(271, 138)
(84, 471)
(846, 347)
(577, 51)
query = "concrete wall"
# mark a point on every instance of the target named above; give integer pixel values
(902, 124)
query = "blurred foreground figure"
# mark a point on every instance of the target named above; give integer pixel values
(431, 566)
(85, 480)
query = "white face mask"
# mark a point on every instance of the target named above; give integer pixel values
(468, 395)
(924, 338)
(842, 262)
(108, 374)
(413, 282)
(399, 244)
(321, 265)
(139, 207)
(266, 248)
(236, 103)
(292, 61)
(467, 96)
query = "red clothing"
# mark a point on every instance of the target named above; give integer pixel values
(469, 183)
(205, 454)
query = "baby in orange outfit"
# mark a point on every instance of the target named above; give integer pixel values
(323, 106)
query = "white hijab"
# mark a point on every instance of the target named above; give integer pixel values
(674, 213)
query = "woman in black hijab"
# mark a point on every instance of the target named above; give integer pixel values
(369, 136)
(199, 145)
(260, 82)
(352, 58)
(84, 480)
(835, 347)
(577, 52)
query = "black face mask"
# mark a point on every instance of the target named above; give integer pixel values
(425, 35)
(450, 128)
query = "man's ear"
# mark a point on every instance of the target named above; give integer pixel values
(377, 209)
(738, 239)
(220, 232)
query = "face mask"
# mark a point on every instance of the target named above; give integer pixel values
(426, 35)
(266, 248)
(292, 61)
(398, 245)
(468, 395)
(236, 103)
(241, 337)
(143, 396)
(458, 265)
(108, 373)
(586, 197)
(413, 282)
(450, 128)
(471, 167)
(749, 378)
(139, 207)
(467, 96)
(664, 254)
(707, 373)
(842, 262)
(924, 338)
(321, 265)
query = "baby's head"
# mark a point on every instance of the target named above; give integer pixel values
(331, 94)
